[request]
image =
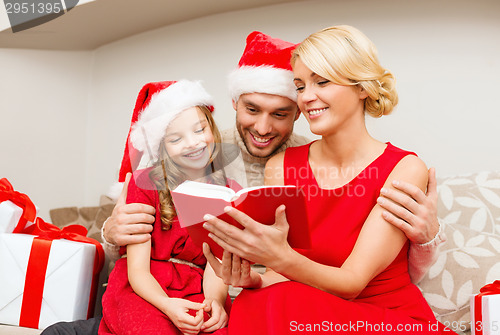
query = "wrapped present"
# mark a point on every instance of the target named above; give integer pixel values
(485, 310)
(48, 275)
(17, 211)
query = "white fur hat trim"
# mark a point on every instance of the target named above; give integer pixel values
(261, 79)
(149, 130)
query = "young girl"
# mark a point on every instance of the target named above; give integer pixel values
(354, 279)
(162, 286)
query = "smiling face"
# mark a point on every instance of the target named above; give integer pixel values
(264, 121)
(189, 142)
(328, 107)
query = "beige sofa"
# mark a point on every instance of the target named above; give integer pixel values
(468, 207)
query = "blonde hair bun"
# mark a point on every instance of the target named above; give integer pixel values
(345, 56)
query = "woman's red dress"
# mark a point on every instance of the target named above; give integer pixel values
(389, 304)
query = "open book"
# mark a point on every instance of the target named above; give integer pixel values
(193, 200)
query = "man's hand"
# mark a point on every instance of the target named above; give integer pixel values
(129, 223)
(412, 211)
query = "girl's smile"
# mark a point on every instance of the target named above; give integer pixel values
(196, 154)
(189, 142)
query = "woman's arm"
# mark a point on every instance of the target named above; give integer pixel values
(377, 246)
(415, 213)
(236, 271)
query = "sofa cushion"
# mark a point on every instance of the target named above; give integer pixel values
(469, 210)
(91, 218)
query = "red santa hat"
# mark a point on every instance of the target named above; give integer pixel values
(264, 67)
(156, 106)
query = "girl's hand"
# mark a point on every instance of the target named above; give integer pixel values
(218, 316)
(233, 270)
(259, 243)
(178, 312)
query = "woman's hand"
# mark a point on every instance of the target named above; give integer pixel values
(218, 316)
(178, 312)
(233, 270)
(259, 243)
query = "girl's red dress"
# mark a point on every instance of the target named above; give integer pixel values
(124, 312)
(390, 304)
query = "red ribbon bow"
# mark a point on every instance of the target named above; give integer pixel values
(37, 266)
(74, 232)
(488, 289)
(20, 199)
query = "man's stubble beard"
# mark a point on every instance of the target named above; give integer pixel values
(245, 140)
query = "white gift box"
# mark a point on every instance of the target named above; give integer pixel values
(490, 312)
(68, 279)
(10, 214)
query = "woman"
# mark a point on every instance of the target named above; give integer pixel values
(355, 277)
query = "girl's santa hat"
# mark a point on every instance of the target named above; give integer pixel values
(157, 105)
(264, 67)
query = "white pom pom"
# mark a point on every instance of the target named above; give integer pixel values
(114, 191)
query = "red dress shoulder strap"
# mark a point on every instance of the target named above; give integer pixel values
(296, 165)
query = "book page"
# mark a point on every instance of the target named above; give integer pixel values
(205, 190)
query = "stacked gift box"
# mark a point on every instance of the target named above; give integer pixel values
(47, 274)
(485, 310)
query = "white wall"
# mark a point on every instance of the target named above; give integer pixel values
(43, 106)
(444, 54)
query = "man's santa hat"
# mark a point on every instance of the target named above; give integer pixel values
(156, 106)
(264, 67)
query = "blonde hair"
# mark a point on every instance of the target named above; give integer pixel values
(345, 56)
(166, 174)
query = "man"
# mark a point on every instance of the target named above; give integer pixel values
(264, 98)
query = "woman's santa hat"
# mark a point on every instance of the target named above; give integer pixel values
(264, 67)
(156, 106)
